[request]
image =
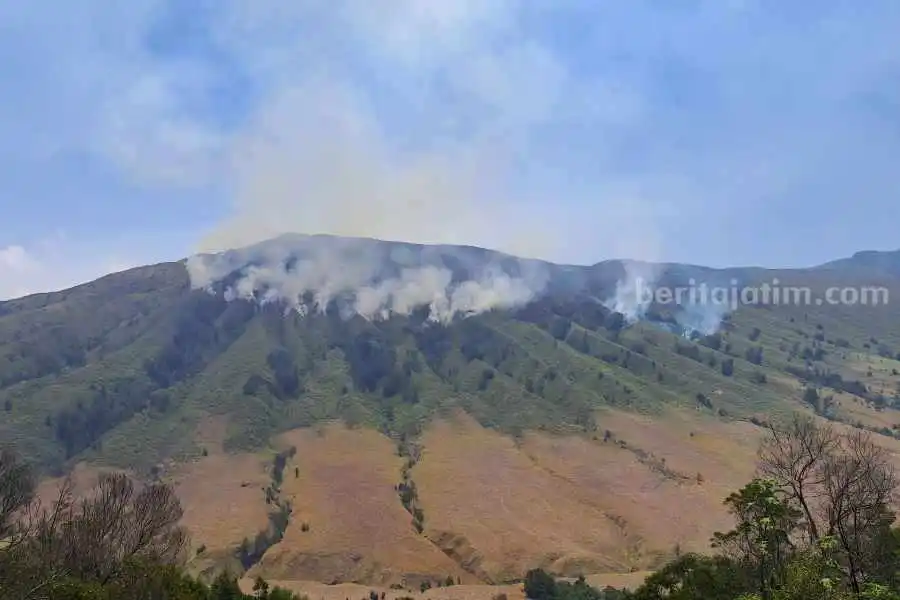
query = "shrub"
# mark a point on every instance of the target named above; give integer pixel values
(539, 585)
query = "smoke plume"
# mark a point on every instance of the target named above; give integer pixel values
(367, 277)
(631, 297)
(321, 155)
(448, 148)
(701, 319)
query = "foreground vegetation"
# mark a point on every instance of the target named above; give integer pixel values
(121, 541)
(816, 525)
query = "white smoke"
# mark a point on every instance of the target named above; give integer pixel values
(633, 295)
(446, 149)
(703, 318)
(709, 306)
(431, 287)
(697, 309)
(368, 278)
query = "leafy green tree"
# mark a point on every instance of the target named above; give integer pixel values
(813, 574)
(225, 587)
(695, 577)
(754, 354)
(539, 585)
(762, 535)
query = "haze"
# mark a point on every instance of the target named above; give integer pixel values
(710, 132)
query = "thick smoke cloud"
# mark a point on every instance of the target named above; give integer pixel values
(367, 278)
(440, 154)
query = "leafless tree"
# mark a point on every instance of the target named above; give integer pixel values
(859, 484)
(94, 539)
(116, 523)
(844, 485)
(28, 536)
(793, 456)
(17, 490)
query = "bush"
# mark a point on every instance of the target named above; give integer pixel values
(539, 585)
(754, 355)
(121, 541)
(811, 396)
(728, 367)
(758, 377)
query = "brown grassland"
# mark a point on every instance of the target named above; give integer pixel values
(495, 506)
(611, 505)
(221, 495)
(357, 528)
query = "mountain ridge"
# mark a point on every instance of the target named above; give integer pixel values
(889, 261)
(145, 370)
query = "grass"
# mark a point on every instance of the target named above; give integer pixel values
(357, 528)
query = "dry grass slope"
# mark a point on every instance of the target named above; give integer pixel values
(496, 506)
(222, 496)
(487, 502)
(353, 591)
(576, 504)
(645, 478)
(357, 528)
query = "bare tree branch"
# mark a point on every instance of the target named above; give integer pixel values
(793, 456)
(844, 485)
(93, 539)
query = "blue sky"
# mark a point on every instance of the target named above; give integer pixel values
(720, 132)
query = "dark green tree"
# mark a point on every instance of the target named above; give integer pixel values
(539, 585)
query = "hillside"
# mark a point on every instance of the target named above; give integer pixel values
(547, 430)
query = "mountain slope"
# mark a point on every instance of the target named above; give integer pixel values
(502, 419)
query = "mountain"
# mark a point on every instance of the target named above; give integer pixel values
(382, 412)
(885, 264)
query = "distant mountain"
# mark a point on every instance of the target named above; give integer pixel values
(132, 371)
(868, 262)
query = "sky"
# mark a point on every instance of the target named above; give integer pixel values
(716, 132)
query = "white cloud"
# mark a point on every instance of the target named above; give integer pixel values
(21, 273)
(14, 259)
(54, 263)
